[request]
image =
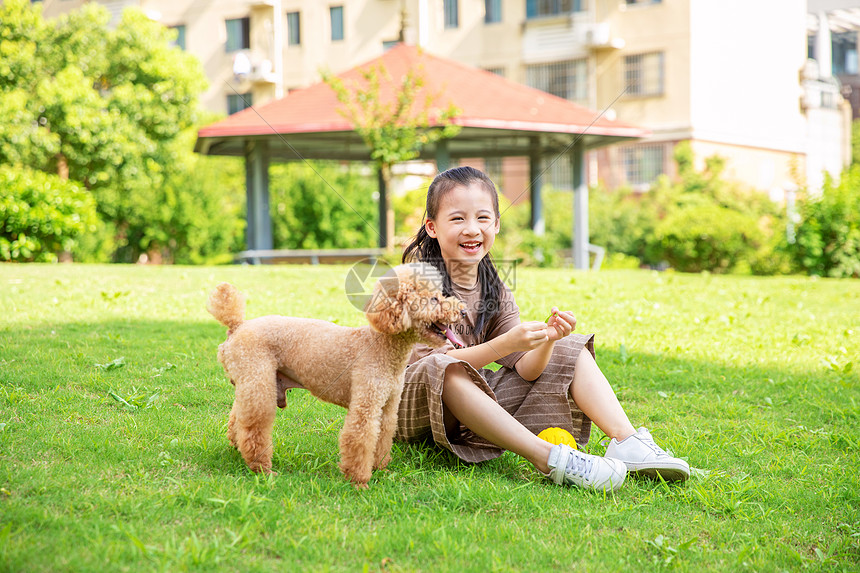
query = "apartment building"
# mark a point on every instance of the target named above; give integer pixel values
(835, 45)
(731, 77)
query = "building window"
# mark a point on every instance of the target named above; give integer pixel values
(497, 71)
(568, 80)
(643, 163)
(542, 8)
(643, 74)
(493, 169)
(294, 29)
(388, 44)
(179, 42)
(632, 2)
(336, 13)
(492, 11)
(452, 16)
(238, 102)
(844, 49)
(238, 34)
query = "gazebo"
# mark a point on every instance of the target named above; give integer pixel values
(498, 118)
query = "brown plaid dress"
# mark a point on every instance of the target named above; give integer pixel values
(537, 405)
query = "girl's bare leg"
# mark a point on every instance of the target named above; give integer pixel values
(594, 396)
(465, 403)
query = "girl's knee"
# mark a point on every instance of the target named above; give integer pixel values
(456, 372)
(584, 357)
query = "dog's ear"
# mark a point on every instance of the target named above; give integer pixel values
(386, 310)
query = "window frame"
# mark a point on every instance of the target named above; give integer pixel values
(574, 78)
(636, 73)
(294, 37)
(180, 41)
(643, 163)
(234, 100)
(536, 9)
(244, 40)
(451, 14)
(341, 28)
(492, 11)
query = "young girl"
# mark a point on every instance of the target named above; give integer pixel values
(546, 379)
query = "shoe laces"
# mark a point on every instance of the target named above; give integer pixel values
(579, 464)
(645, 437)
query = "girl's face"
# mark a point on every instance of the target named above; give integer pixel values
(466, 227)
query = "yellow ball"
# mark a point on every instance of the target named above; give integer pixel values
(558, 436)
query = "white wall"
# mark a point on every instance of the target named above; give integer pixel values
(745, 62)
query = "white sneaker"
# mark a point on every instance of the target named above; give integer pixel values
(644, 457)
(571, 467)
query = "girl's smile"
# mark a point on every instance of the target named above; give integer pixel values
(466, 226)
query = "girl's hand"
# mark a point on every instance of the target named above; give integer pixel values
(560, 323)
(526, 336)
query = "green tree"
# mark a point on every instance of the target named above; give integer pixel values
(391, 119)
(98, 106)
(698, 221)
(308, 214)
(827, 239)
(855, 142)
(40, 215)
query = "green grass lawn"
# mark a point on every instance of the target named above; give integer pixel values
(113, 454)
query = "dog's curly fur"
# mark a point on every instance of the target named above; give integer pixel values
(361, 369)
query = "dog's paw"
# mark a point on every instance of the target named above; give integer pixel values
(360, 482)
(383, 463)
(262, 469)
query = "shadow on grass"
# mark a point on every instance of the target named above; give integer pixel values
(778, 449)
(178, 360)
(699, 407)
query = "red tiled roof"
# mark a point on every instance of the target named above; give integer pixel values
(485, 100)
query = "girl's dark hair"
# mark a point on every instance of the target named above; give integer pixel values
(424, 248)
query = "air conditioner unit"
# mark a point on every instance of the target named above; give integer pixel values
(241, 65)
(598, 36)
(247, 66)
(261, 69)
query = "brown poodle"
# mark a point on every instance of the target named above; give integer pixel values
(361, 369)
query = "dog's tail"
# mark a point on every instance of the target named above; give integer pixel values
(227, 305)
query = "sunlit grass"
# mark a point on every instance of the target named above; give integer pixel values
(113, 454)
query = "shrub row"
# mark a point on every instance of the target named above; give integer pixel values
(701, 222)
(41, 215)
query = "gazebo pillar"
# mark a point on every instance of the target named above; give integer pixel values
(384, 239)
(443, 156)
(538, 224)
(580, 208)
(258, 234)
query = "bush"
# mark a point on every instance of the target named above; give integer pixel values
(623, 221)
(41, 215)
(827, 239)
(201, 212)
(409, 211)
(516, 240)
(195, 215)
(325, 207)
(697, 222)
(707, 237)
